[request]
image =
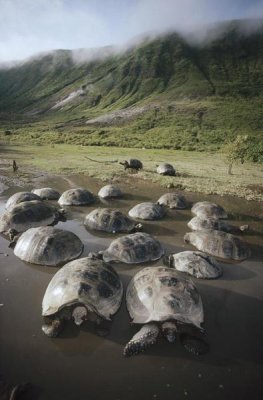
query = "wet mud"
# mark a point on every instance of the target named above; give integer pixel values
(82, 364)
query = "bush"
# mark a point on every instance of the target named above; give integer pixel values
(242, 148)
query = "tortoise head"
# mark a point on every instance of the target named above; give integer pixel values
(12, 233)
(79, 314)
(169, 331)
(13, 237)
(138, 228)
(244, 228)
(168, 260)
(125, 163)
(95, 256)
(62, 215)
(187, 238)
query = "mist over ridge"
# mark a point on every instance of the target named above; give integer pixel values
(201, 35)
(31, 26)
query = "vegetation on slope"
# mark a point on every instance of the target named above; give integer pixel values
(195, 97)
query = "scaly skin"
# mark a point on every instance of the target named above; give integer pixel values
(53, 328)
(143, 339)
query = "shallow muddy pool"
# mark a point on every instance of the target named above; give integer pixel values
(80, 364)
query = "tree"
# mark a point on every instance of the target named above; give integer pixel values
(236, 151)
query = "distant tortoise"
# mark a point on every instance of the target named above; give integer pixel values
(206, 209)
(76, 197)
(109, 220)
(110, 191)
(173, 200)
(195, 263)
(84, 289)
(46, 245)
(132, 163)
(147, 210)
(30, 214)
(219, 244)
(165, 169)
(20, 197)
(163, 301)
(133, 249)
(47, 193)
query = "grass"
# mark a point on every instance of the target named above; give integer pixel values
(204, 172)
(201, 125)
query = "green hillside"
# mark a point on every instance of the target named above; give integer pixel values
(175, 94)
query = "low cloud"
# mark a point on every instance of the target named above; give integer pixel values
(32, 26)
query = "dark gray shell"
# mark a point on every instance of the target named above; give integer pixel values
(87, 281)
(28, 214)
(148, 210)
(134, 163)
(109, 220)
(197, 264)
(172, 200)
(46, 245)
(110, 191)
(47, 193)
(134, 248)
(200, 224)
(160, 294)
(166, 169)
(206, 209)
(76, 197)
(218, 244)
(19, 198)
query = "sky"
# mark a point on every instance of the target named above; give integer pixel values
(28, 27)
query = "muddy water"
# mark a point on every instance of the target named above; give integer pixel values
(80, 364)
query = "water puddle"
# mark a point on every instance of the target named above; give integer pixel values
(80, 364)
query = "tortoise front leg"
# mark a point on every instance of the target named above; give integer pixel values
(143, 339)
(53, 327)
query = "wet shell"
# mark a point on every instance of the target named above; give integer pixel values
(47, 193)
(166, 169)
(19, 198)
(76, 197)
(195, 263)
(48, 246)
(205, 209)
(28, 214)
(200, 224)
(218, 244)
(109, 191)
(134, 248)
(109, 220)
(148, 210)
(172, 200)
(161, 294)
(87, 281)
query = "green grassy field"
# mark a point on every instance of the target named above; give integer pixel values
(204, 172)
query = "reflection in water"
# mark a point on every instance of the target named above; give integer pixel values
(81, 364)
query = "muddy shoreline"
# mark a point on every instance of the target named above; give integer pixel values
(81, 364)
